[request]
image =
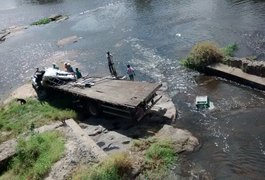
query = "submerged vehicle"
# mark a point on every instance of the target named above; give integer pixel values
(108, 95)
(202, 102)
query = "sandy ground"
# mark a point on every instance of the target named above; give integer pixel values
(23, 92)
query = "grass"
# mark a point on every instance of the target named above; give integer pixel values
(154, 156)
(42, 21)
(230, 50)
(16, 118)
(159, 155)
(203, 54)
(35, 156)
(117, 166)
(158, 159)
(141, 145)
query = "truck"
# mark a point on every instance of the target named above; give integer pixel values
(109, 95)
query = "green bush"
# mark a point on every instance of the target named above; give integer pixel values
(160, 154)
(115, 167)
(42, 21)
(203, 54)
(34, 157)
(17, 118)
(230, 50)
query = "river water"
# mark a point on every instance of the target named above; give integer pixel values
(153, 36)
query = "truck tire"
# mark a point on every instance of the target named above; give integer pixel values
(93, 108)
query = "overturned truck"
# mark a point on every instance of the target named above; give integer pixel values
(108, 95)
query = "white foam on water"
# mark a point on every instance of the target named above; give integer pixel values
(159, 68)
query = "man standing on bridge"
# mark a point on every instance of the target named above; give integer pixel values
(111, 64)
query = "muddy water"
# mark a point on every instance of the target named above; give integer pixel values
(153, 36)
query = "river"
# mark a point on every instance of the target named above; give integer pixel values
(153, 36)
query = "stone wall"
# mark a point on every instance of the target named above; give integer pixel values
(248, 66)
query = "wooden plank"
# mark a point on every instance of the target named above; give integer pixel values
(86, 139)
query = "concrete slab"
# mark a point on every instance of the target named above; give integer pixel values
(237, 75)
(86, 139)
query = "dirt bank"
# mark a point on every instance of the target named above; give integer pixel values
(23, 92)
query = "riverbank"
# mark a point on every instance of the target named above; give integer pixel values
(110, 135)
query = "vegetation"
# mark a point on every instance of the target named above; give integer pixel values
(230, 50)
(42, 21)
(203, 54)
(158, 158)
(155, 156)
(16, 118)
(35, 156)
(159, 155)
(117, 166)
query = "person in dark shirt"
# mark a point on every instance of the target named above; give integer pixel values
(78, 73)
(111, 64)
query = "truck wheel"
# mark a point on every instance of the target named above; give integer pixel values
(93, 109)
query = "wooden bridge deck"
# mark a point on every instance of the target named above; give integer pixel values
(117, 92)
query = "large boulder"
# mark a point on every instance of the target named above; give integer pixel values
(262, 70)
(183, 140)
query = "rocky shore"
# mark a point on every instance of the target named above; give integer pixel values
(110, 135)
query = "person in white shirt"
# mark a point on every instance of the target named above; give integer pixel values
(130, 72)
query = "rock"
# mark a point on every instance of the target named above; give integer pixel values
(7, 150)
(67, 40)
(182, 140)
(3, 36)
(58, 17)
(247, 65)
(234, 62)
(250, 69)
(164, 108)
(114, 141)
(55, 17)
(8, 32)
(260, 69)
(95, 130)
(244, 65)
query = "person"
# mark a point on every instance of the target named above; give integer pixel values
(78, 73)
(111, 64)
(54, 66)
(130, 72)
(65, 66)
(69, 68)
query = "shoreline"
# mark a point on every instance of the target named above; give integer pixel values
(184, 139)
(24, 91)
